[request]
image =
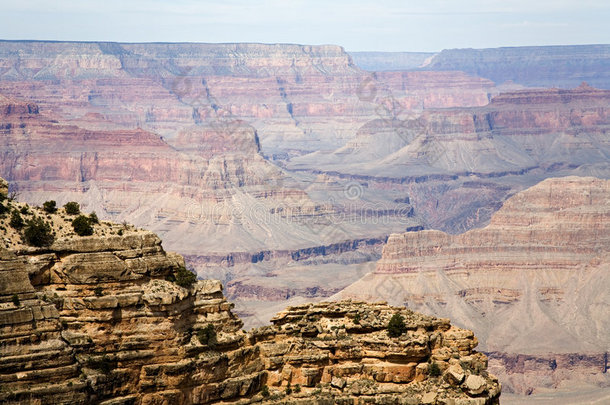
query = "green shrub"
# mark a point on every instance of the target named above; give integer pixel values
(185, 278)
(265, 391)
(93, 218)
(72, 208)
(3, 210)
(357, 319)
(50, 206)
(82, 226)
(16, 301)
(16, 220)
(288, 389)
(38, 233)
(434, 370)
(98, 291)
(396, 326)
(207, 336)
(25, 210)
(297, 388)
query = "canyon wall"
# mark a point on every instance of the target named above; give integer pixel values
(516, 131)
(299, 98)
(111, 318)
(532, 284)
(459, 164)
(173, 137)
(209, 110)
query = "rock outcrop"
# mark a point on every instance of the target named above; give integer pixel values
(111, 318)
(533, 284)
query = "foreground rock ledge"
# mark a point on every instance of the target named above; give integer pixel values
(94, 320)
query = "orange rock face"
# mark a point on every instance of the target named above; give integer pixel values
(113, 318)
(532, 282)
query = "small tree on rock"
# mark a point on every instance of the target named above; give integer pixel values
(72, 208)
(38, 233)
(396, 326)
(207, 336)
(93, 218)
(433, 369)
(185, 278)
(16, 220)
(82, 226)
(50, 206)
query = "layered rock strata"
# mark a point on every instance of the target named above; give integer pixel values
(97, 319)
(515, 133)
(299, 98)
(533, 284)
(459, 164)
(206, 181)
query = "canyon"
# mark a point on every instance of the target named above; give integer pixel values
(532, 284)
(108, 319)
(282, 170)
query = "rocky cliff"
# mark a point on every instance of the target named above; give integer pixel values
(532, 284)
(111, 318)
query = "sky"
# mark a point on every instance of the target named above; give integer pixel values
(357, 25)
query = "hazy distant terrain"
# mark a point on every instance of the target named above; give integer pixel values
(388, 61)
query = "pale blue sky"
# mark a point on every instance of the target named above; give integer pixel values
(409, 25)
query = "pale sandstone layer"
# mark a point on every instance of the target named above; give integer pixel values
(95, 319)
(533, 284)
